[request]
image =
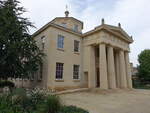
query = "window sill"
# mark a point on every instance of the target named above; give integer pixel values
(59, 80)
(78, 53)
(60, 49)
(76, 80)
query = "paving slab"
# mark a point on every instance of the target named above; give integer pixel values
(112, 101)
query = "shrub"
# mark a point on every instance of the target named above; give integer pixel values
(19, 91)
(36, 98)
(21, 101)
(7, 105)
(51, 105)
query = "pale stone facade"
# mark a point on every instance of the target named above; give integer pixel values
(103, 56)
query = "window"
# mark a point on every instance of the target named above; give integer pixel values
(76, 46)
(59, 70)
(64, 24)
(43, 42)
(75, 27)
(60, 42)
(76, 71)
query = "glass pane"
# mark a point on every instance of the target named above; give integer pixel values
(59, 70)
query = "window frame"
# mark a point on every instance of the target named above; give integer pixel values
(60, 41)
(76, 46)
(59, 70)
(76, 72)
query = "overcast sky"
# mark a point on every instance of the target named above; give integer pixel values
(134, 16)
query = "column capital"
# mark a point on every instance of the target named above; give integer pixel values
(123, 50)
(110, 46)
(127, 52)
(102, 43)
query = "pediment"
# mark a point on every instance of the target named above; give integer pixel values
(117, 31)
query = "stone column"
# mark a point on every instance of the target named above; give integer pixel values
(128, 71)
(123, 81)
(92, 69)
(111, 68)
(117, 69)
(103, 66)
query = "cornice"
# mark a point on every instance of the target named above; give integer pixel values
(58, 27)
(97, 29)
(105, 28)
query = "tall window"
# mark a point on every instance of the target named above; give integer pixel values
(59, 70)
(60, 42)
(76, 71)
(43, 42)
(75, 27)
(76, 46)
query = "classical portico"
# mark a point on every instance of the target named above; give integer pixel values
(108, 66)
(114, 69)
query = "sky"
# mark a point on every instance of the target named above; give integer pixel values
(134, 16)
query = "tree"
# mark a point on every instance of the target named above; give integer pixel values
(19, 54)
(144, 65)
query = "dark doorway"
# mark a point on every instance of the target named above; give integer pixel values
(98, 78)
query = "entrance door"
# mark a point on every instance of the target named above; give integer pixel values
(98, 78)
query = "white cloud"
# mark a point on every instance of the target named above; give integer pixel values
(42, 11)
(133, 15)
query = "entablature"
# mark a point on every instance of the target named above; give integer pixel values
(107, 38)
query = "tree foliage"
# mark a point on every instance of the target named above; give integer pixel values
(19, 54)
(144, 65)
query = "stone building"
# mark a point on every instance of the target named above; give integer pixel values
(95, 59)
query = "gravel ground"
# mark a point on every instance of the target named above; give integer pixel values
(112, 101)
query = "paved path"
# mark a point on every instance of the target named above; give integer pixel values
(118, 101)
